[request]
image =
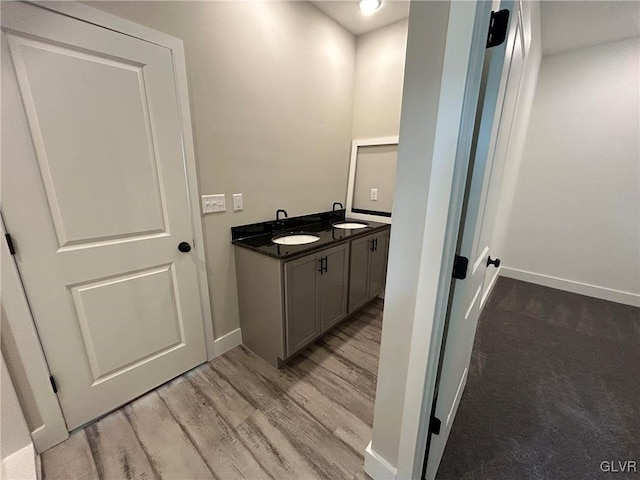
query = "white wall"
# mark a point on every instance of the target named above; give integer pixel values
(14, 434)
(271, 89)
(575, 212)
(427, 26)
(379, 73)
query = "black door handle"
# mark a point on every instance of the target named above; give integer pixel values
(495, 262)
(184, 247)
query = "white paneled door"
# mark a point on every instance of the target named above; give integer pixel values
(500, 96)
(95, 195)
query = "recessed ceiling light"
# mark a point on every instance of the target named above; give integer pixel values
(369, 6)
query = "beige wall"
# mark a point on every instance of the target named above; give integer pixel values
(375, 168)
(377, 99)
(378, 81)
(271, 89)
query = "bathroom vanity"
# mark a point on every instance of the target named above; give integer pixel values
(290, 294)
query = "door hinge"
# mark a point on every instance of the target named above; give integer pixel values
(434, 425)
(498, 28)
(12, 249)
(460, 265)
(53, 384)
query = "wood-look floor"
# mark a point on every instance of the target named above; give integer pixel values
(238, 417)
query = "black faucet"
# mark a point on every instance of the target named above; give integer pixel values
(334, 206)
(278, 212)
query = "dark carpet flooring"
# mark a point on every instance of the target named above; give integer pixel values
(553, 389)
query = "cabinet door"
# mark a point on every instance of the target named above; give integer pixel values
(359, 275)
(333, 286)
(302, 323)
(378, 264)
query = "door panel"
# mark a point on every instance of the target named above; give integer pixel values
(378, 269)
(332, 286)
(115, 332)
(466, 300)
(95, 194)
(89, 179)
(499, 158)
(359, 275)
(302, 323)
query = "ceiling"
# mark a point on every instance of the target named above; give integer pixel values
(567, 25)
(348, 14)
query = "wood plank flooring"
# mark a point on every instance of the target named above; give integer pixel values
(237, 417)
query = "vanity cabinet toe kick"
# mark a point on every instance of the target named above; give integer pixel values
(287, 304)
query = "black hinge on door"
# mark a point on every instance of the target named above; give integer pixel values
(12, 249)
(460, 265)
(53, 384)
(434, 425)
(498, 28)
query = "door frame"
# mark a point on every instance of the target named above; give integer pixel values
(446, 154)
(38, 370)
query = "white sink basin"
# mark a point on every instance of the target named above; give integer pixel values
(295, 239)
(350, 225)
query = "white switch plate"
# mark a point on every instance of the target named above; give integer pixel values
(374, 194)
(214, 203)
(237, 202)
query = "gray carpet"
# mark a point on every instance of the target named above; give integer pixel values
(553, 389)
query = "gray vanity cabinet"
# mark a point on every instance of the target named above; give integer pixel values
(315, 295)
(285, 304)
(368, 268)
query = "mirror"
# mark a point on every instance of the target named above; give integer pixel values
(372, 179)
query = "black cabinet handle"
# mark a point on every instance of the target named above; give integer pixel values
(373, 245)
(326, 264)
(184, 247)
(495, 262)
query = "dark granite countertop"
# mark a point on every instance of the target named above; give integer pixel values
(257, 236)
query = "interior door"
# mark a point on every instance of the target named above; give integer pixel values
(484, 235)
(95, 196)
(465, 301)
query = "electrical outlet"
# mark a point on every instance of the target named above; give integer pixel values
(237, 202)
(214, 203)
(374, 194)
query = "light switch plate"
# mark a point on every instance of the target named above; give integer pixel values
(237, 202)
(374, 194)
(214, 203)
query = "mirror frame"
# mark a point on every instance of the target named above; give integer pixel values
(357, 143)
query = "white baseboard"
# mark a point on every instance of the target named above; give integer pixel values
(603, 293)
(377, 467)
(227, 342)
(20, 464)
